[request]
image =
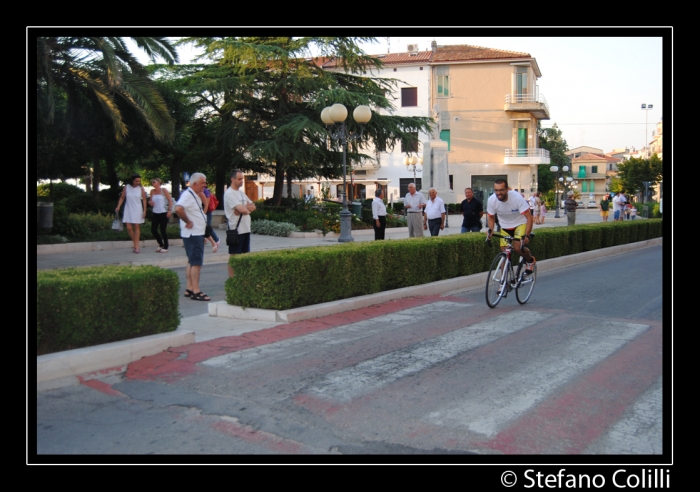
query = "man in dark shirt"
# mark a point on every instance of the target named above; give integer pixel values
(570, 205)
(605, 207)
(472, 210)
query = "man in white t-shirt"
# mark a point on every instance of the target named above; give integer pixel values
(514, 218)
(238, 206)
(193, 223)
(619, 206)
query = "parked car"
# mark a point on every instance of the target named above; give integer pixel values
(592, 204)
(579, 204)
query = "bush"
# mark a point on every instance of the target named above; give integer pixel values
(82, 203)
(81, 307)
(272, 228)
(398, 207)
(60, 190)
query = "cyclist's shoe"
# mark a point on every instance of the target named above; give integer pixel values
(530, 266)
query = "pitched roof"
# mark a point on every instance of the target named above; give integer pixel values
(389, 58)
(588, 157)
(464, 52)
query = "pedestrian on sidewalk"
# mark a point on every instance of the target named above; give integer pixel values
(472, 210)
(414, 203)
(238, 207)
(192, 227)
(162, 204)
(207, 201)
(379, 214)
(135, 203)
(434, 213)
(570, 205)
(604, 207)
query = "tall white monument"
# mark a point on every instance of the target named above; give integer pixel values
(435, 172)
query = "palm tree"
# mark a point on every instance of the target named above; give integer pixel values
(100, 71)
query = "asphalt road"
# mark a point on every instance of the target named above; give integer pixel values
(577, 370)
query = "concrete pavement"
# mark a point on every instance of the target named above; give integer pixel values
(72, 367)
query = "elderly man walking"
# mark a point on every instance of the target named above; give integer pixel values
(434, 213)
(192, 226)
(414, 203)
(570, 205)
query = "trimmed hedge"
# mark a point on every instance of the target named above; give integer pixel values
(300, 277)
(81, 307)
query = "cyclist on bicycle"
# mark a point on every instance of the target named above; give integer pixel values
(514, 217)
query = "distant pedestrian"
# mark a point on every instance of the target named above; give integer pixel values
(472, 210)
(135, 203)
(434, 213)
(414, 203)
(162, 204)
(379, 214)
(619, 206)
(604, 207)
(543, 210)
(570, 205)
(208, 212)
(193, 223)
(238, 207)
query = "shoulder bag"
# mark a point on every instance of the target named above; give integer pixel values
(207, 227)
(232, 234)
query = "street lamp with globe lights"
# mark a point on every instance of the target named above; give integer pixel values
(411, 163)
(334, 118)
(560, 179)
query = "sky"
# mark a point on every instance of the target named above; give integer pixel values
(594, 86)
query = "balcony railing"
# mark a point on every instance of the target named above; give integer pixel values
(525, 99)
(526, 156)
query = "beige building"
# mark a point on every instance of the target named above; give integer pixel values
(486, 105)
(590, 171)
(656, 145)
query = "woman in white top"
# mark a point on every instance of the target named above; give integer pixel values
(134, 198)
(162, 204)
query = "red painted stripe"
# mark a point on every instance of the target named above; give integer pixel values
(571, 421)
(264, 439)
(180, 361)
(100, 386)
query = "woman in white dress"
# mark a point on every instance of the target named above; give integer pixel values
(134, 198)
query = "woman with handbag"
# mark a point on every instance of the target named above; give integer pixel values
(135, 201)
(162, 204)
(208, 201)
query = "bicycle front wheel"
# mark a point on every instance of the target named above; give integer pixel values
(527, 283)
(496, 282)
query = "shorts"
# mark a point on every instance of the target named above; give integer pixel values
(194, 248)
(616, 214)
(604, 213)
(243, 245)
(517, 233)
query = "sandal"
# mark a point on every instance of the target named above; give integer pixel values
(188, 292)
(200, 296)
(137, 250)
(161, 250)
(215, 248)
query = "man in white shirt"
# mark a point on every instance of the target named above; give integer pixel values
(414, 203)
(434, 213)
(514, 217)
(237, 207)
(618, 206)
(379, 214)
(192, 225)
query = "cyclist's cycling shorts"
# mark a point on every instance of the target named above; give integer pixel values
(517, 233)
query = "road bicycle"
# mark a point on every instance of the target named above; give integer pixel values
(504, 277)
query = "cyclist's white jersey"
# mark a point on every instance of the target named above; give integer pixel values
(509, 212)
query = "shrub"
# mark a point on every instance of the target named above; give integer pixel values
(80, 307)
(82, 203)
(60, 190)
(398, 207)
(272, 228)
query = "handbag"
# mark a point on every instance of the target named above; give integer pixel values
(232, 234)
(117, 223)
(213, 202)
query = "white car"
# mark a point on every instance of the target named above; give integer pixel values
(592, 204)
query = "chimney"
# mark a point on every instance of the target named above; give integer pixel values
(433, 46)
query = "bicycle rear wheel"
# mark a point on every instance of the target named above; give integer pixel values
(526, 285)
(496, 282)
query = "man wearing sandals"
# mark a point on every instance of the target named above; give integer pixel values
(238, 206)
(192, 227)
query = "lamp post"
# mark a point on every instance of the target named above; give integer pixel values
(560, 179)
(646, 108)
(334, 118)
(411, 163)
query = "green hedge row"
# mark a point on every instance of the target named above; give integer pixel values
(81, 307)
(291, 278)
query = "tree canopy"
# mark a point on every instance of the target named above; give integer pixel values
(552, 140)
(632, 173)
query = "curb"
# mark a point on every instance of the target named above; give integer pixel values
(222, 309)
(61, 368)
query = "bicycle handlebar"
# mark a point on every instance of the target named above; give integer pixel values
(504, 236)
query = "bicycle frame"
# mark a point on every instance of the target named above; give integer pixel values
(503, 276)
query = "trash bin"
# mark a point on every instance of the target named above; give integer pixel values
(44, 215)
(645, 211)
(357, 209)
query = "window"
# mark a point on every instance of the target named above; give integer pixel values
(411, 146)
(409, 96)
(591, 188)
(403, 185)
(594, 169)
(445, 137)
(584, 187)
(443, 86)
(581, 172)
